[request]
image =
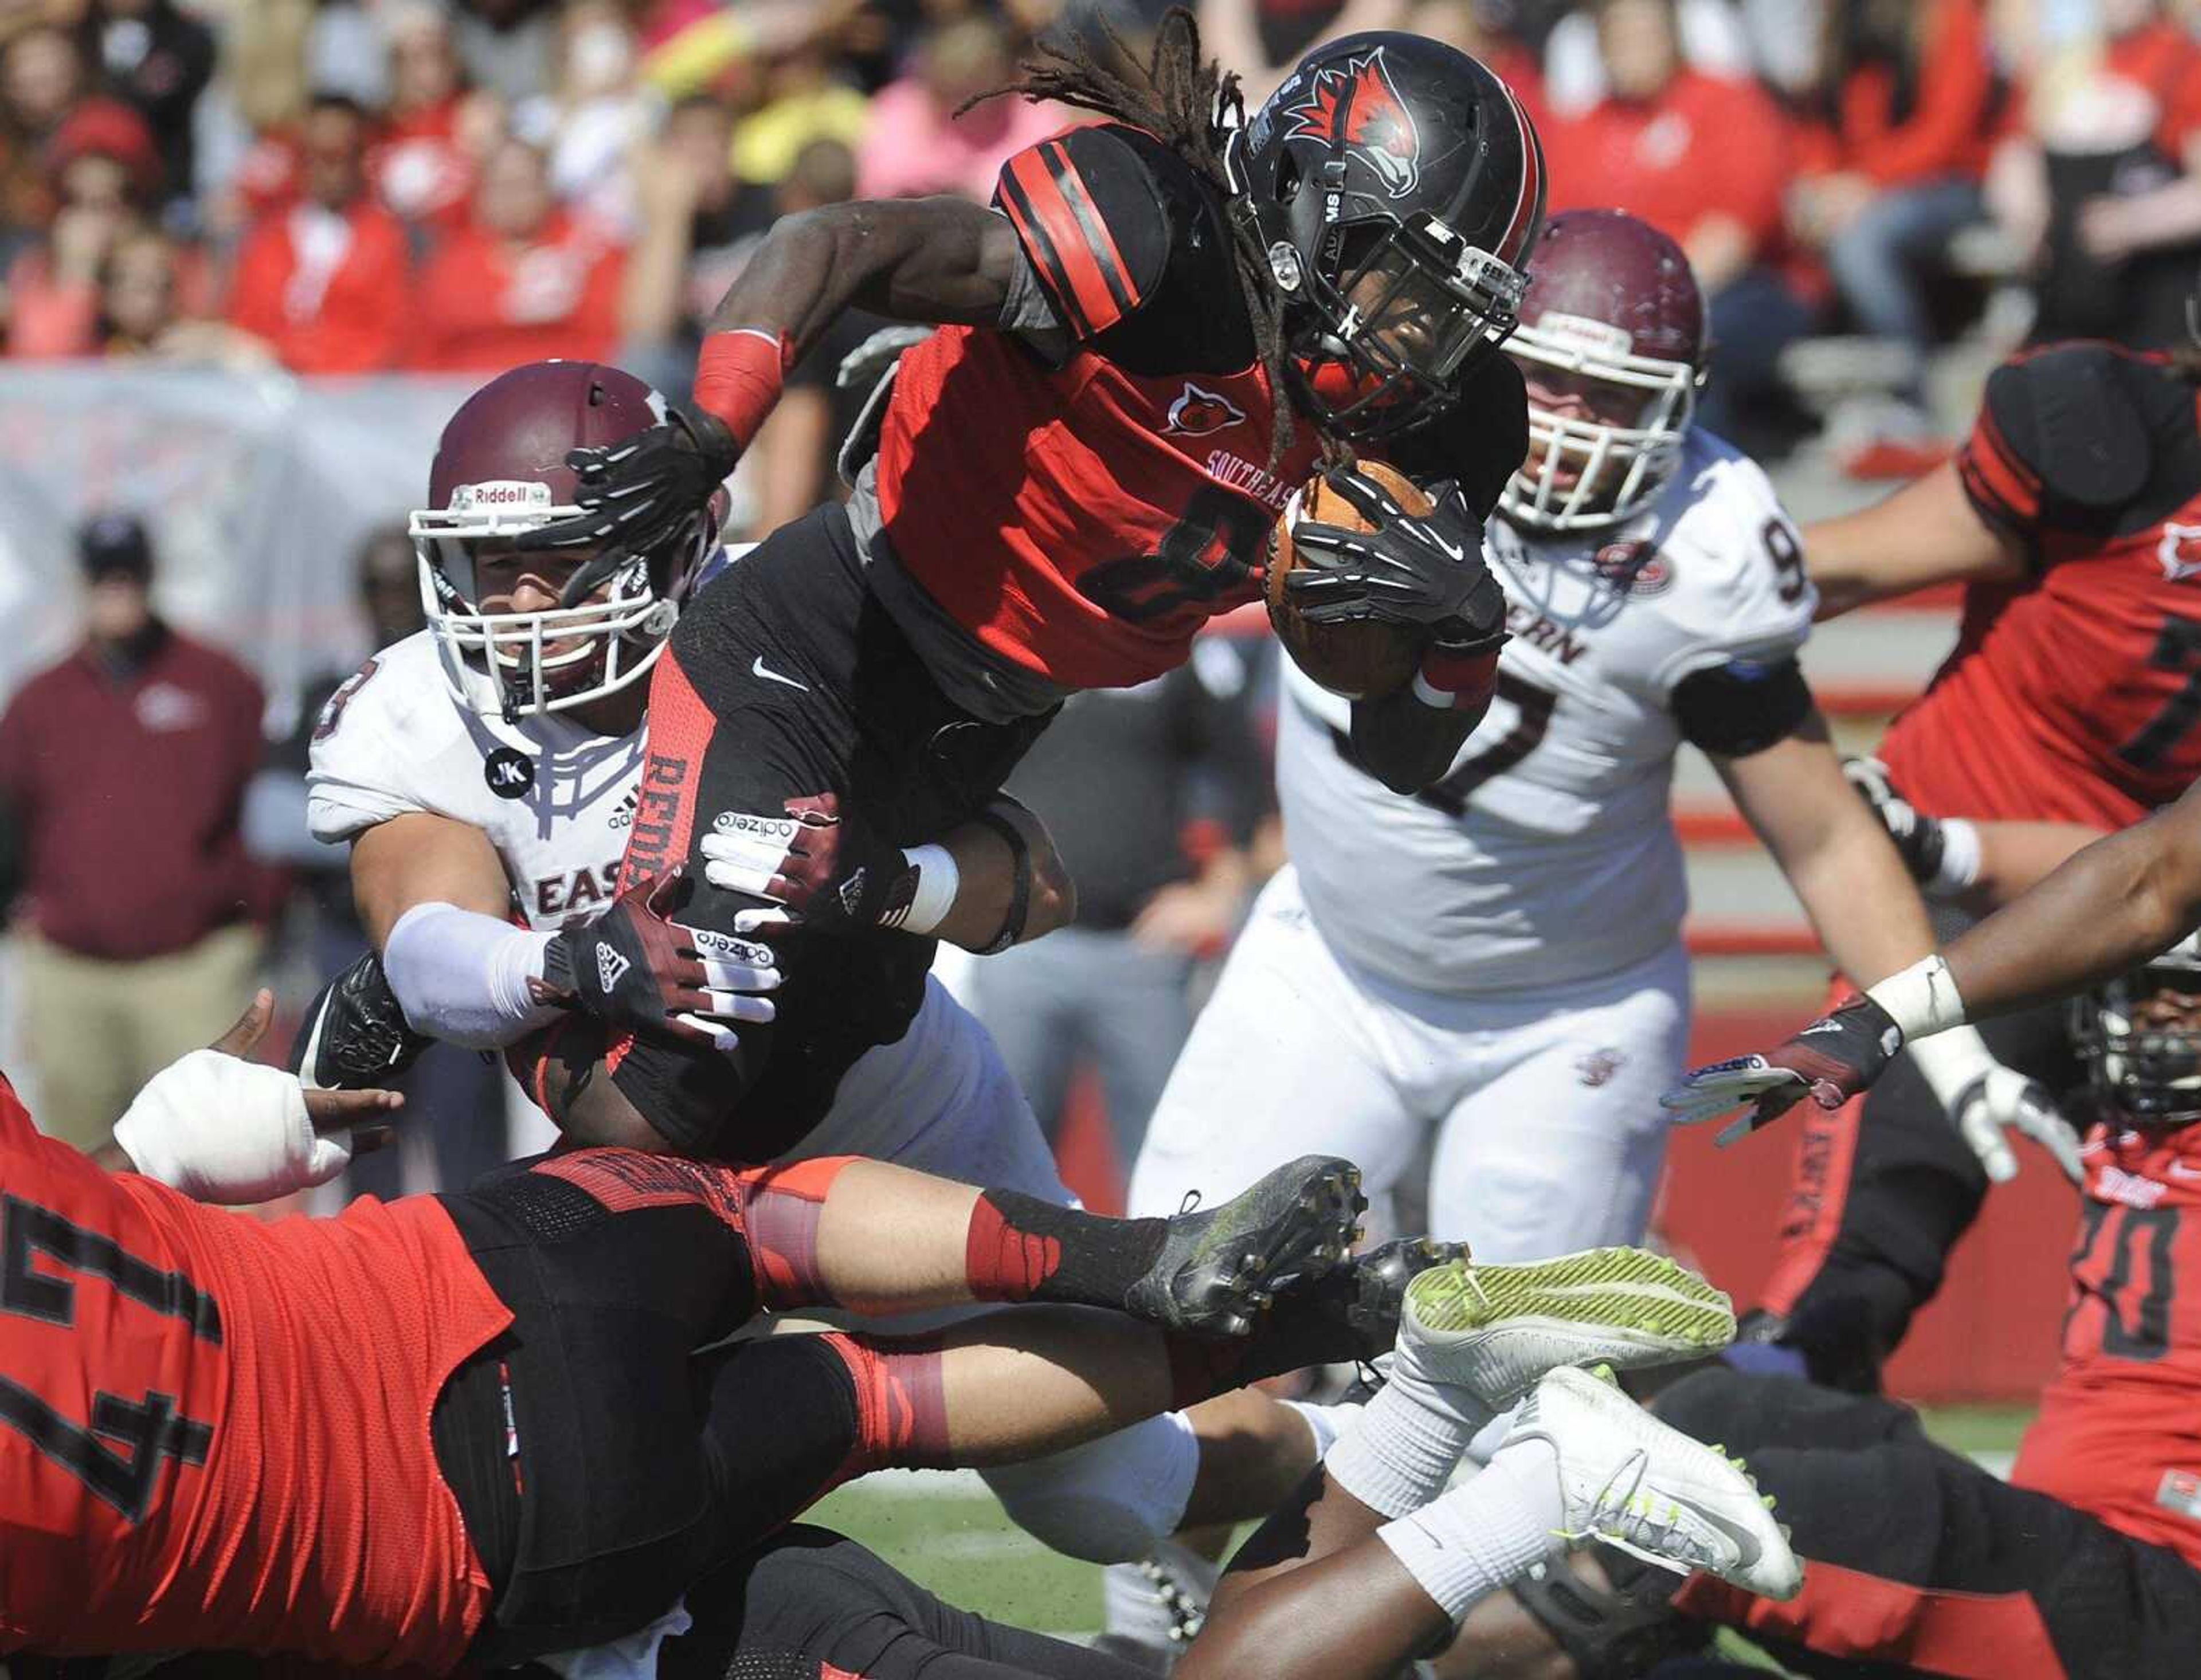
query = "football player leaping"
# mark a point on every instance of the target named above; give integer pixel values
(1152, 336)
(1495, 964)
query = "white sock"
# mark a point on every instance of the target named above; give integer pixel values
(1405, 1444)
(1486, 1534)
(1324, 1423)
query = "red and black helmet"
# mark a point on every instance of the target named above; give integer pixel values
(1613, 329)
(499, 470)
(1397, 186)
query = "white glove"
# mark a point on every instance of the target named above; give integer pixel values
(1986, 1100)
(222, 1129)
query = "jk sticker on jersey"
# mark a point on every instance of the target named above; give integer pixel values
(510, 772)
(2180, 1491)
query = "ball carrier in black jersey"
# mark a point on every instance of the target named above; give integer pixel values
(1150, 339)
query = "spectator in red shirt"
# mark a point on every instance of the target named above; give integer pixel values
(524, 280)
(323, 280)
(424, 162)
(1704, 159)
(122, 779)
(1906, 98)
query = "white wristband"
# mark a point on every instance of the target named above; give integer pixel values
(1921, 999)
(938, 881)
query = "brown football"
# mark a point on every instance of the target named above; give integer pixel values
(1367, 658)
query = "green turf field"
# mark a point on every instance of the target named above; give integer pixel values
(946, 1532)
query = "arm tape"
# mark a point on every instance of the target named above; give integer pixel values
(462, 977)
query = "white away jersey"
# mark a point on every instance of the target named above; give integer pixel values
(555, 801)
(1547, 855)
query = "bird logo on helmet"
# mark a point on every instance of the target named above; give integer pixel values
(499, 471)
(1354, 104)
(1612, 347)
(1396, 185)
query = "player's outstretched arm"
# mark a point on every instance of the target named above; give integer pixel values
(2114, 905)
(1928, 533)
(1854, 883)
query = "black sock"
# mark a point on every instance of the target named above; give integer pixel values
(1021, 1249)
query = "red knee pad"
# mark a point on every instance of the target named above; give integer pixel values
(901, 1403)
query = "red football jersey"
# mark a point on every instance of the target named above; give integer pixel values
(214, 1431)
(2119, 1431)
(2073, 694)
(1119, 512)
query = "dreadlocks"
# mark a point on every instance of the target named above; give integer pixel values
(1176, 96)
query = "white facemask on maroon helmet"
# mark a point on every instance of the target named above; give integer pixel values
(499, 470)
(1612, 318)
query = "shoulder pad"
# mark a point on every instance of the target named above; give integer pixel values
(1094, 219)
(2070, 416)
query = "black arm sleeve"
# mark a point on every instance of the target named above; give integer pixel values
(1742, 707)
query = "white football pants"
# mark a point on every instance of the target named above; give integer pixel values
(1538, 1112)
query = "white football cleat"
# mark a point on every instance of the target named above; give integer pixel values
(1632, 1481)
(1494, 1330)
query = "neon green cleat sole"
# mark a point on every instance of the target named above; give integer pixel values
(1495, 1329)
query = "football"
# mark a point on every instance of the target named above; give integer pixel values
(1367, 658)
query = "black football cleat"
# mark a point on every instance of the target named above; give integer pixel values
(1217, 1268)
(1347, 1315)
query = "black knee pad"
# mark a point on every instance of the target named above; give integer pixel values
(1613, 1633)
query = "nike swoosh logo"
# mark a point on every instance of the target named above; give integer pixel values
(759, 668)
(1746, 1543)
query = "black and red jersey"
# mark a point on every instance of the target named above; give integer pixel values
(2074, 693)
(2119, 1430)
(214, 1432)
(1081, 501)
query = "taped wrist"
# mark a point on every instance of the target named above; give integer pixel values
(465, 978)
(739, 376)
(1921, 999)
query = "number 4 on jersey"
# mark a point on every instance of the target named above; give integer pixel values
(150, 1430)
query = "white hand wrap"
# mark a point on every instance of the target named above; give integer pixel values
(222, 1129)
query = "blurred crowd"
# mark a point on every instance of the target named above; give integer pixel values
(347, 186)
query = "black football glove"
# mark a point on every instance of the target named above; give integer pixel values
(1424, 570)
(1830, 1060)
(638, 970)
(354, 1037)
(1918, 837)
(818, 872)
(636, 494)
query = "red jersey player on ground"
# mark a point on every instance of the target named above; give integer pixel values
(2088, 1562)
(470, 1426)
(1151, 335)
(2072, 515)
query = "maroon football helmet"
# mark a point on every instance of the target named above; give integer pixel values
(1613, 326)
(500, 469)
